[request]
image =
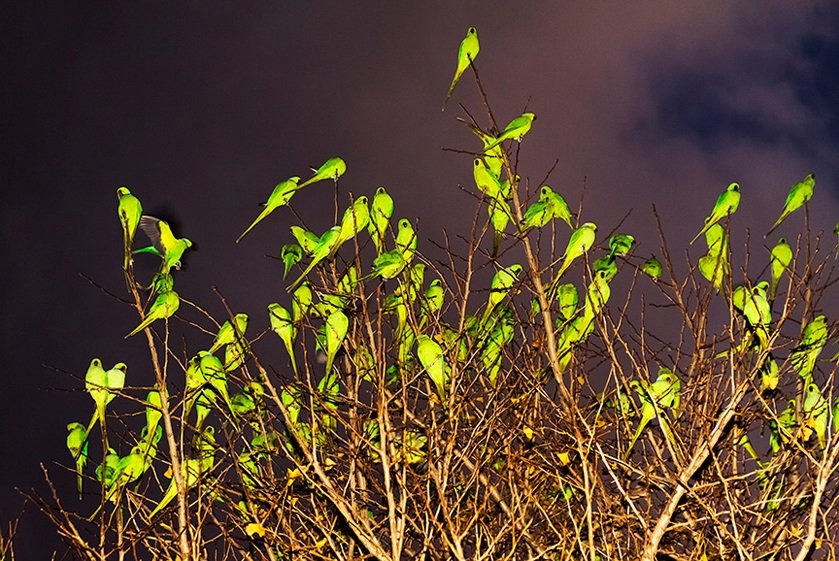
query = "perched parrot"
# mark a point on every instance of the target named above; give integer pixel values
(337, 325)
(499, 215)
(606, 265)
(381, 209)
(283, 326)
(816, 411)
(406, 239)
(485, 179)
(597, 295)
(280, 196)
(620, 245)
(726, 205)
(769, 374)
(333, 168)
(306, 239)
(389, 264)
(153, 416)
(578, 244)
(781, 431)
(800, 193)
(103, 385)
(324, 248)
(129, 210)
(652, 268)
(466, 54)
(430, 355)
(230, 332)
(515, 129)
(664, 393)
(191, 473)
(291, 254)
(780, 259)
(813, 340)
(568, 298)
(538, 214)
(77, 445)
(163, 307)
(164, 242)
(558, 205)
(433, 297)
(301, 303)
(502, 282)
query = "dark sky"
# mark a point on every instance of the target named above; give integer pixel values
(200, 108)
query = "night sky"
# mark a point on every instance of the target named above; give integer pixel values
(201, 108)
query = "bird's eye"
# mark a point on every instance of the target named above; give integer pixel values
(473, 30)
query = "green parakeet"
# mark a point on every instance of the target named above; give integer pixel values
(191, 473)
(714, 266)
(499, 215)
(163, 307)
(132, 467)
(235, 355)
(433, 297)
(164, 242)
(781, 431)
(606, 265)
(664, 393)
(769, 374)
(230, 332)
(326, 244)
(107, 472)
(333, 168)
(620, 245)
(215, 373)
(129, 210)
(283, 326)
(816, 411)
(799, 194)
(306, 239)
(726, 205)
(780, 259)
(597, 295)
(406, 239)
(162, 282)
(103, 386)
(337, 325)
(538, 214)
(813, 339)
(381, 209)
(485, 179)
(430, 355)
(758, 312)
(515, 129)
(154, 408)
(301, 303)
(355, 219)
(291, 254)
(717, 240)
(501, 335)
(389, 264)
(558, 205)
(568, 298)
(467, 52)
(77, 445)
(581, 240)
(502, 282)
(652, 268)
(280, 196)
